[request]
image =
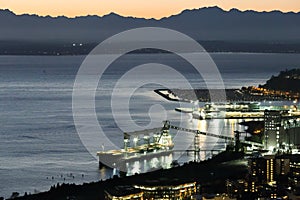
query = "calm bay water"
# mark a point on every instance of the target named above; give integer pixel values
(39, 145)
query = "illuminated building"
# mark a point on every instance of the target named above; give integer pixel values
(123, 193)
(272, 124)
(262, 175)
(292, 128)
(156, 189)
(172, 190)
(295, 172)
(262, 171)
(282, 166)
(270, 172)
(292, 168)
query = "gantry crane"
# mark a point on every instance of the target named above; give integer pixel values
(168, 125)
(238, 143)
(162, 138)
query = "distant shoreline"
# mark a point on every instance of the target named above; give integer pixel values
(139, 53)
(66, 48)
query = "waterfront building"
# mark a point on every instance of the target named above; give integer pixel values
(123, 193)
(168, 190)
(218, 197)
(292, 130)
(280, 133)
(273, 129)
(155, 189)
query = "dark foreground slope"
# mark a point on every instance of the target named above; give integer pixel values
(211, 175)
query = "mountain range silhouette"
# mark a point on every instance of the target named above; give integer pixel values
(210, 23)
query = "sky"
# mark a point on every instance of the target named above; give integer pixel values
(139, 8)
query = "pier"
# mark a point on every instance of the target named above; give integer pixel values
(238, 95)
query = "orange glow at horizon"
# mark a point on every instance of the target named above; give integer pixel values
(139, 8)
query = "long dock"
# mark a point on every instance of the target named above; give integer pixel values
(237, 114)
(203, 95)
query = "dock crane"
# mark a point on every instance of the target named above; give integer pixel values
(161, 139)
(238, 143)
(168, 126)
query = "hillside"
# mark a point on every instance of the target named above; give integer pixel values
(288, 80)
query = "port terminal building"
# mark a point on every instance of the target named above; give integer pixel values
(280, 133)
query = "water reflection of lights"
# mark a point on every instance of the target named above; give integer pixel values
(217, 126)
(136, 168)
(167, 161)
(202, 125)
(103, 172)
(233, 124)
(115, 171)
(154, 162)
(147, 165)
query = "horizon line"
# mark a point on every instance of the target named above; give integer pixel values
(149, 18)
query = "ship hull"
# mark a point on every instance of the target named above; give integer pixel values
(122, 160)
